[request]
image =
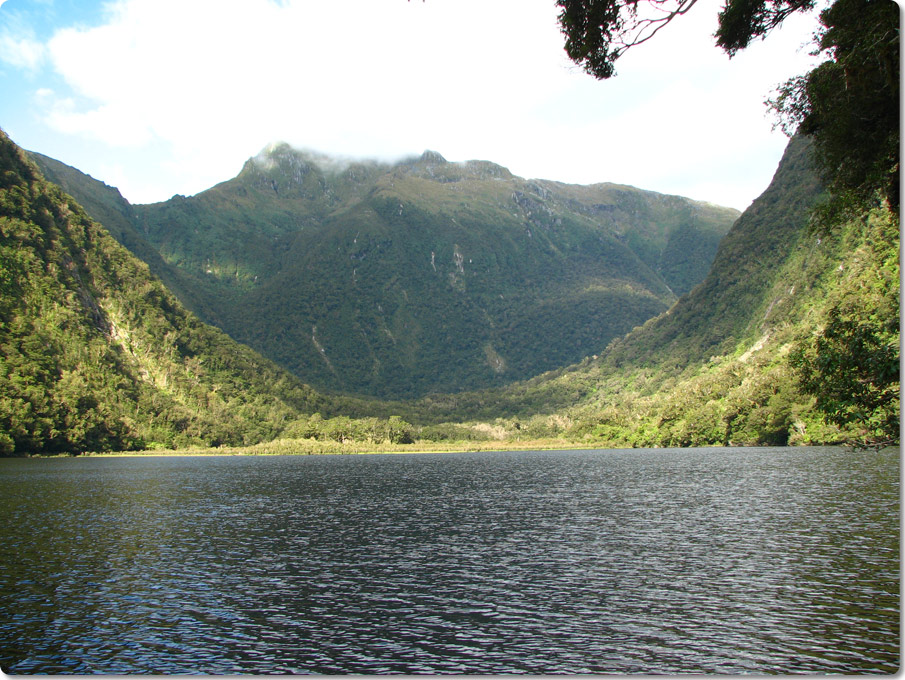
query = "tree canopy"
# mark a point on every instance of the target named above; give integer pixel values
(598, 32)
(849, 104)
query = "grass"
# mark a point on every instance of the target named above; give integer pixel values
(307, 447)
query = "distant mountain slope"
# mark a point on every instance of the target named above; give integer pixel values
(731, 304)
(422, 276)
(718, 368)
(106, 205)
(723, 367)
(96, 354)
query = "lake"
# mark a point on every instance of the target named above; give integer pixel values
(749, 560)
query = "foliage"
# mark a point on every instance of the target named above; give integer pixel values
(721, 367)
(719, 312)
(849, 105)
(95, 354)
(598, 32)
(112, 361)
(108, 207)
(741, 21)
(847, 358)
(792, 337)
(345, 429)
(852, 365)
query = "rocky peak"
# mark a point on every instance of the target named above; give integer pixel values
(432, 157)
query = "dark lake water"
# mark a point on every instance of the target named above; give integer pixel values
(649, 561)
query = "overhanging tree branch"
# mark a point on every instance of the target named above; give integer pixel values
(598, 32)
(645, 29)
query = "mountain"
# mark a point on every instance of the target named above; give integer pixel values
(399, 280)
(96, 354)
(727, 364)
(738, 297)
(724, 365)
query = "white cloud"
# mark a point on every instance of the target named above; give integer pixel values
(683, 118)
(356, 78)
(109, 123)
(213, 82)
(21, 52)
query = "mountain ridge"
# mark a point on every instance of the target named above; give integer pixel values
(721, 367)
(397, 280)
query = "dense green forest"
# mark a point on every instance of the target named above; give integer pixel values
(96, 354)
(399, 280)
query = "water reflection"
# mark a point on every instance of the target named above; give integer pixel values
(745, 560)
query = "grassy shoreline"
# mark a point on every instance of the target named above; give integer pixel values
(308, 447)
(313, 447)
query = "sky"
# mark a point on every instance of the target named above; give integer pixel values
(164, 97)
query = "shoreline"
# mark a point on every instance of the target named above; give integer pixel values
(312, 447)
(309, 447)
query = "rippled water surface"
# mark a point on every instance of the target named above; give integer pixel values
(666, 561)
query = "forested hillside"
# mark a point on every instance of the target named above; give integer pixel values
(95, 354)
(417, 277)
(794, 337)
(725, 365)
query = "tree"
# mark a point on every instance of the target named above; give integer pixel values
(399, 431)
(849, 104)
(741, 21)
(851, 366)
(598, 32)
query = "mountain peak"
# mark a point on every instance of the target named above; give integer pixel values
(432, 157)
(286, 157)
(278, 154)
(453, 275)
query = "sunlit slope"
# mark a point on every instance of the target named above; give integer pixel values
(423, 276)
(717, 368)
(106, 205)
(96, 354)
(738, 298)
